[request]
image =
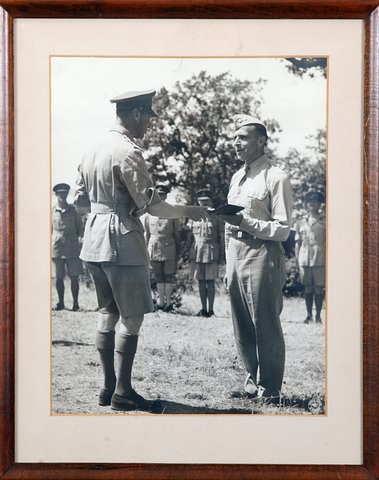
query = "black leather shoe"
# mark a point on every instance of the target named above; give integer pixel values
(308, 319)
(211, 313)
(242, 394)
(134, 401)
(59, 306)
(105, 397)
(202, 313)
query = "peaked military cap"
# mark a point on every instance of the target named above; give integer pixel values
(142, 99)
(61, 187)
(204, 194)
(241, 120)
(314, 196)
(162, 189)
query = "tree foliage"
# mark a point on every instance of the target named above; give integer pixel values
(190, 145)
(307, 66)
(307, 170)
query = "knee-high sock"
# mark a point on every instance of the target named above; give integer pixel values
(161, 292)
(59, 283)
(203, 294)
(105, 343)
(75, 290)
(168, 290)
(211, 292)
(309, 302)
(319, 299)
(126, 347)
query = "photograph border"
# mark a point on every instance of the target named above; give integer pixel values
(365, 10)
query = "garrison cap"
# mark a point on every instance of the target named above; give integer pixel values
(241, 120)
(204, 194)
(162, 189)
(314, 196)
(61, 187)
(130, 100)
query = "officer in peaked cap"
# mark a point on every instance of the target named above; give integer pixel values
(310, 249)
(163, 244)
(61, 187)
(206, 251)
(136, 99)
(114, 182)
(67, 229)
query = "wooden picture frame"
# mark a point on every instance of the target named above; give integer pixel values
(366, 10)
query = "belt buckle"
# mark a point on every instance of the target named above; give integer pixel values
(239, 234)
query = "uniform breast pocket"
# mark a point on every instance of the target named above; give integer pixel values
(258, 192)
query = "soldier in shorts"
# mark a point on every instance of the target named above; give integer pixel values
(67, 231)
(115, 184)
(206, 252)
(310, 253)
(163, 244)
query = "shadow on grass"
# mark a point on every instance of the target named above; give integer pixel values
(70, 343)
(171, 408)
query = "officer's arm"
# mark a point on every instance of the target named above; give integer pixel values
(166, 210)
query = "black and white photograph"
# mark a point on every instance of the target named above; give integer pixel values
(189, 235)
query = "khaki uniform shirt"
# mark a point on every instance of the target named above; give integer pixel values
(67, 228)
(163, 238)
(312, 238)
(208, 236)
(266, 195)
(114, 181)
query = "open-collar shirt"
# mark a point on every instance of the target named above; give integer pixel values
(265, 192)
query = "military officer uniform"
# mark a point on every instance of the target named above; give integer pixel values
(206, 251)
(256, 262)
(67, 229)
(163, 243)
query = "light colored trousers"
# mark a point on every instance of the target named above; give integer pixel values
(256, 275)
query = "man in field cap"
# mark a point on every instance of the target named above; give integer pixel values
(67, 229)
(206, 251)
(115, 184)
(255, 259)
(310, 249)
(163, 244)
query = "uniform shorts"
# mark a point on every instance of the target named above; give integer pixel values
(205, 271)
(73, 266)
(167, 267)
(312, 276)
(123, 289)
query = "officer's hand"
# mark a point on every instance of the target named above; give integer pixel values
(197, 213)
(233, 219)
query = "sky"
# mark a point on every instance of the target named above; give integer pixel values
(81, 88)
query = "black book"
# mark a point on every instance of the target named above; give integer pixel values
(226, 209)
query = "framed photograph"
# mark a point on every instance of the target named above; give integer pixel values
(59, 58)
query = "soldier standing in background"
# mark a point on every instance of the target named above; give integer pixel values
(67, 229)
(310, 249)
(163, 245)
(206, 251)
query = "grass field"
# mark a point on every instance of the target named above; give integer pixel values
(190, 363)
